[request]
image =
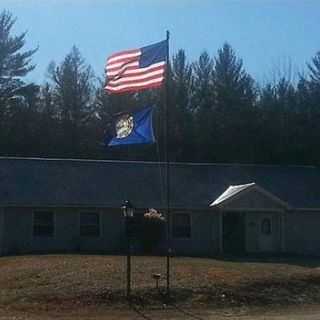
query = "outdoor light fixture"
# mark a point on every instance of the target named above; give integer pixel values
(156, 277)
(127, 209)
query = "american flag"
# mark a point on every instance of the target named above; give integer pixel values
(137, 69)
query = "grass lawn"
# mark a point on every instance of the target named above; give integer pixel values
(61, 283)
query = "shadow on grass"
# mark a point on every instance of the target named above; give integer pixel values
(302, 289)
(165, 301)
(139, 312)
(185, 312)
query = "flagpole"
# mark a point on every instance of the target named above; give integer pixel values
(167, 163)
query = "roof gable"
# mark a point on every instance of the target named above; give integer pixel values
(248, 196)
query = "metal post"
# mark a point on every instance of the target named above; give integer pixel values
(128, 273)
(128, 261)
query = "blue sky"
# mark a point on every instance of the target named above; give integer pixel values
(267, 34)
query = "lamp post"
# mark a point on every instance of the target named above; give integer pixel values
(128, 210)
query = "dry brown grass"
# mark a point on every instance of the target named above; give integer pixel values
(72, 282)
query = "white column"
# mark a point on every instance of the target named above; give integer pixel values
(220, 219)
(283, 231)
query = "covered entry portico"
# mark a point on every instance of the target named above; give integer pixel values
(251, 220)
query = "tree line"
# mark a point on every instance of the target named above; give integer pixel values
(217, 111)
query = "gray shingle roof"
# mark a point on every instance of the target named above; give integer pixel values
(63, 182)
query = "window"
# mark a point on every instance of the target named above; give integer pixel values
(43, 224)
(89, 224)
(266, 226)
(181, 225)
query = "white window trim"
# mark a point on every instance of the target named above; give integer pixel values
(271, 226)
(100, 224)
(54, 224)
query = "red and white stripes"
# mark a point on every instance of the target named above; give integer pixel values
(124, 73)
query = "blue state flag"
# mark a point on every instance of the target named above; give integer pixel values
(133, 128)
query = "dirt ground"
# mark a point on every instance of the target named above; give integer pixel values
(93, 287)
(172, 313)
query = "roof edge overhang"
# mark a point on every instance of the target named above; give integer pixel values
(101, 205)
(249, 187)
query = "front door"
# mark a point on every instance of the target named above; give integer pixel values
(233, 233)
(266, 233)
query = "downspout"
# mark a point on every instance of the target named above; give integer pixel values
(1, 230)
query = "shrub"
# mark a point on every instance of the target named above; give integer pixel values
(152, 229)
